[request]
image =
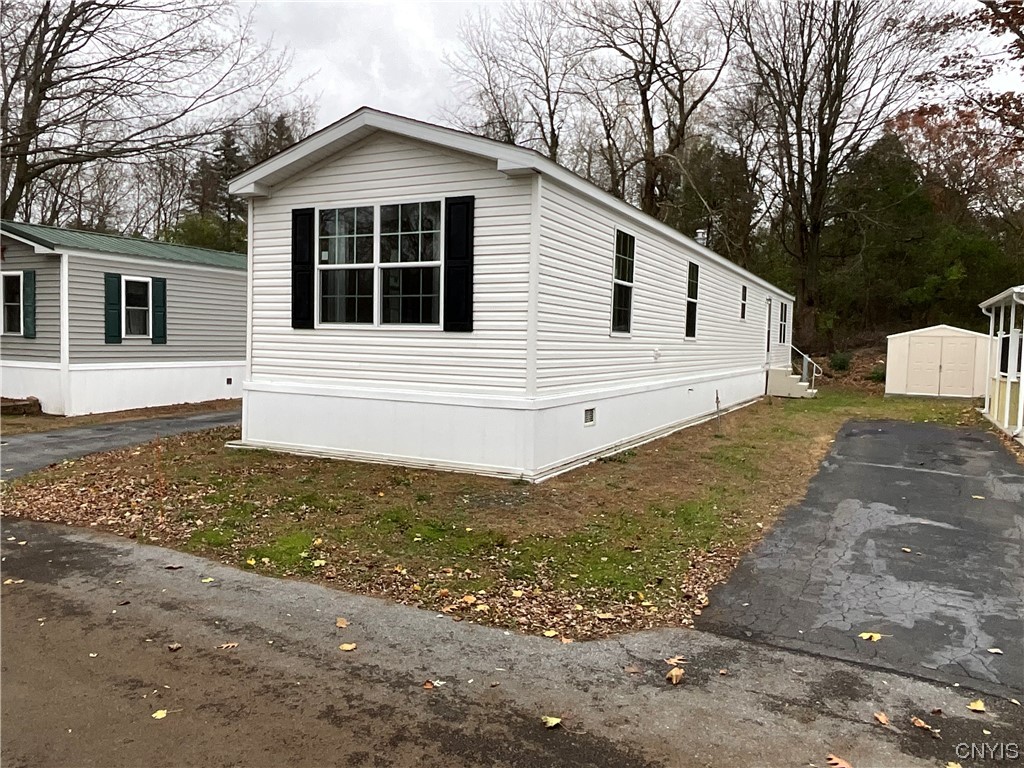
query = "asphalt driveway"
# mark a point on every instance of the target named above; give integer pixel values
(911, 531)
(21, 454)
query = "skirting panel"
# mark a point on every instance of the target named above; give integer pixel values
(27, 380)
(530, 439)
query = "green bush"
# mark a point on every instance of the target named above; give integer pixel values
(839, 361)
(877, 374)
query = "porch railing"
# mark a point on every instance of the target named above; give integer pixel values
(803, 364)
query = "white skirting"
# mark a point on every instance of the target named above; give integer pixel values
(529, 438)
(106, 387)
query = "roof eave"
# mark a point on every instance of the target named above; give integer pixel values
(1015, 293)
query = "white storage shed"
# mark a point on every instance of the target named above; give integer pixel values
(941, 361)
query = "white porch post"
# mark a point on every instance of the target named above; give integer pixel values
(988, 361)
(1007, 388)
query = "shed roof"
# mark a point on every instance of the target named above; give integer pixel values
(62, 239)
(259, 180)
(951, 330)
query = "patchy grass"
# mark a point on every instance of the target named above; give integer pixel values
(639, 537)
(43, 422)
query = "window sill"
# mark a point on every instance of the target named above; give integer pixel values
(620, 335)
(370, 327)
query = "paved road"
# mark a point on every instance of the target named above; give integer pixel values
(837, 564)
(85, 664)
(21, 454)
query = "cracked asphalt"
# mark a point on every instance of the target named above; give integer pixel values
(913, 531)
(87, 618)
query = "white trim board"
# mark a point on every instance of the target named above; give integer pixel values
(961, 331)
(157, 364)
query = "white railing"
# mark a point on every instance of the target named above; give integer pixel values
(808, 369)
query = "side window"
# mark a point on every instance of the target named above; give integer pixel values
(743, 303)
(692, 290)
(136, 317)
(783, 322)
(12, 302)
(622, 283)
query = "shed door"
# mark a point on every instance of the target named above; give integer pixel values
(957, 374)
(923, 365)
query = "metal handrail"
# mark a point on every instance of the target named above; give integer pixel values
(807, 365)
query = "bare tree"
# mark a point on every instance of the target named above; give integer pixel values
(103, 80)
(832, 74)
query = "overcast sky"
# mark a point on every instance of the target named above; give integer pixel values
(388, 55)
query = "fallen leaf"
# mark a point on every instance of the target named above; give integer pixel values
(952, 764)
(882, 718)
(605, 616)
(347, 647)
(551, 722)
(469, 599)
(1014, 701)
(977, 497)
(976, 706)
(173, 567)
(550, 633)
(517, 593)
(675, 675)
(207, 580)
(14, 581)
(917, 722)
(838, 762)
(428, 685)
(874, 637)
(937, 711)
(226, 646)
(675, 660)
(251, 561)
(160, 714)
(22, 543)
(986, 731)
(632, 669)
(340, 623)
(995, 650)
(723, 671)
(125, 602)
(319, 563)
(93, 655)
(172, 647)
(565, 640)
(907, 549)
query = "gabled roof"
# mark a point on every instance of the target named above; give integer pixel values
(1006, 297)
(260, 180)
(942, 326)
(59, 239)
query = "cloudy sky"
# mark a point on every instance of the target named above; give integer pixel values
(388, 55)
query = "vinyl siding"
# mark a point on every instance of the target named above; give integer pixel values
(205, 312)
(575, 347)
(45, 347)
(385, 169)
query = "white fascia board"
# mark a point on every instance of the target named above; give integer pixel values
(1017, 292)
(509, 159)
(943, 326)
(42, 250)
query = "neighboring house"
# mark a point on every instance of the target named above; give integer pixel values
(95, 323)
(942, 361)
(1004, 399)
(431, 298)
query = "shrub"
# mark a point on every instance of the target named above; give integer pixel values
(877, 374)
(839, 361)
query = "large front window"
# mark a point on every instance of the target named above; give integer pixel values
(380, 264)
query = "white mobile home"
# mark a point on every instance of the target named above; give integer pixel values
(94, 323)
(427, 297)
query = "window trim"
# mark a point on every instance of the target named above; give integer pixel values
(783, 321)
(20, 274)
(694, 302)
(125, 279)
(631, 284)
(376, 266)
(743, 302)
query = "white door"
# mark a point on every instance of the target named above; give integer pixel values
(923, 365)
(956, 377)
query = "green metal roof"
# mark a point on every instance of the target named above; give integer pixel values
(60, 239)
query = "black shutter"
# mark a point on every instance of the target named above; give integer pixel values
(303, 267)
(458, 264)
(112, 308)
(159, 310)
(28, 303)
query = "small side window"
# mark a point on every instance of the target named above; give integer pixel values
(692, 289)
(622, 283)
(743, 303)
(12, 303)
(783, 322)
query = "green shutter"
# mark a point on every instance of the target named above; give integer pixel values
(112, 308)
(28, 304)
(159, 310)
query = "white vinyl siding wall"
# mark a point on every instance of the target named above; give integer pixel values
(388, 169)
(45, 347)
(575, 350)
(205, 312)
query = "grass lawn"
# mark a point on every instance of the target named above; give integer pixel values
(43, 422)
(635, 540)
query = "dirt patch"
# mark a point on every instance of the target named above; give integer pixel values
(632, 541)
(863, 364)
(19, 424)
